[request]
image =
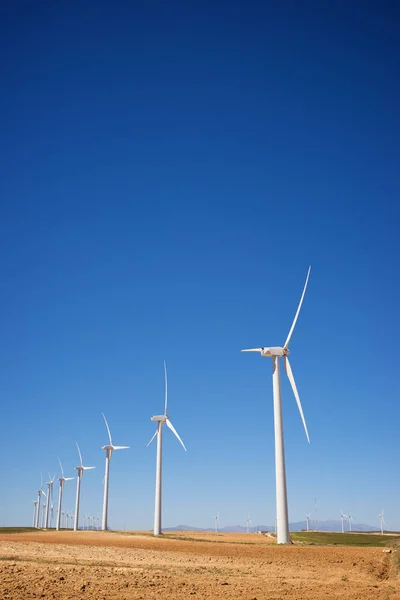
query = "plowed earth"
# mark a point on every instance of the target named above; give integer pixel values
(111, 566)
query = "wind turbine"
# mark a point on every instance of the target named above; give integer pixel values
(49, 497)
(161, 420)
(216, 522)
(248, 523)
(80, 470)
(350, 520)
(342, 518)
(109, 450)
(35, 503)
(61, 479)
(40, 492)
(308, 521)
(276, 353)
(382, 518)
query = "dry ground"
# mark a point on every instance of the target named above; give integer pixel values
(111, 566)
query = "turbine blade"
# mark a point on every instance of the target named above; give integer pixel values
(80, 455)
(166, 389)
(120, 447)
(153, 437)
(296, 394)
(253, 350)
(88, 468)
(298, 310)
(172, 428)
(108, 429)
(68, 478)
(62, 470)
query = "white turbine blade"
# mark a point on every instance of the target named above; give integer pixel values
(68, 478)
(44, 493)
(80, 455)
(120, 447)
(172, 428)
(298, 310)
(62, 470)
(252, 350)
(296, 394)
(88, 468)
(108, 429)
(166, 389)
(152, 437)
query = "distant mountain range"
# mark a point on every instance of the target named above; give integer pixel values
(329, 525)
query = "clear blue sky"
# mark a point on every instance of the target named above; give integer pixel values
(168, 173)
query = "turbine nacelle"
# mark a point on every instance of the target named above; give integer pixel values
(159, 418)
(271, 351)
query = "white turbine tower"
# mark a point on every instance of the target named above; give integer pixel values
(40, 493)
(382, 518)
(308, 520)
(216, 518)
(350, 520)
(276, 353)
(342, 518)
(109, 450)
(161, 420)
(61, 479)
(49, 499)
(35, 503)
(80, 470)
(248, 524)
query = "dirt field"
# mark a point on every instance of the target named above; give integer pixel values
(111, 566)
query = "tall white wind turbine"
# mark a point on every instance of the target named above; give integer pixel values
(61, 479)
(49, 499)
(308, 521)
(382, 519)
(161, 420)
(276, 353)
(40, 493)
(80, 470)
(109, 450)
(350, 518)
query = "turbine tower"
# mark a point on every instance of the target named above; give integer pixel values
(80, 470)
(308, 520)
(382, 518)
(49, 498)
(109, 450)
(248, 524)
(35, 503)
(276, 353)
(216, 522)
(61, 479)
(161, 420)
(342, 518)
(350, 520)
(40, 493)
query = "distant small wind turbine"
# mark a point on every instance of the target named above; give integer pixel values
(216, 518)
(350, 520)
(248, 523)
(62, 480)
(44, 513)
(276, 353)
(382, 518)
(109, 450)
(161, 420)
(342, 518)
(35, 503)
(80, 470)
(308, 521)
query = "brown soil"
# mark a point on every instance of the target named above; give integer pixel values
(116, 566)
